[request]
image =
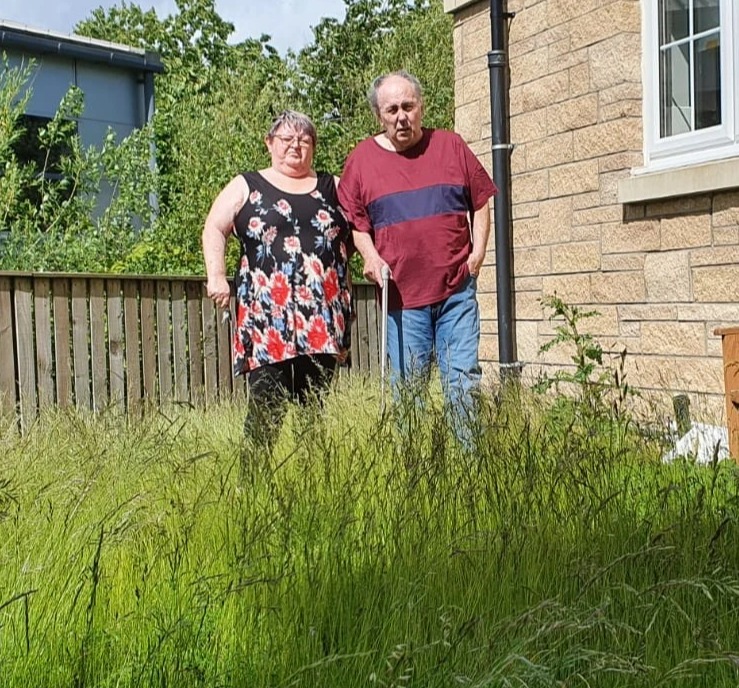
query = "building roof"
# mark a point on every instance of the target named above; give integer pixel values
(41, 41)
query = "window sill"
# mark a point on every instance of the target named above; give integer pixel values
(683, 181)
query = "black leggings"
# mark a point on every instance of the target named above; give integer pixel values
(272, 386)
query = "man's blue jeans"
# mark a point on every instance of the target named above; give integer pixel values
(450, 331)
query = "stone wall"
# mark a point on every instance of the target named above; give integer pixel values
(663, 275)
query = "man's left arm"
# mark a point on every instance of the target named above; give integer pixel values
(480, 235)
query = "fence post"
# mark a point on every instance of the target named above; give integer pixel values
(730, 350)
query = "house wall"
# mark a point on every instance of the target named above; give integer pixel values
(114, 97)
(663, 274)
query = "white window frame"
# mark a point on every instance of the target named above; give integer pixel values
(695, 147)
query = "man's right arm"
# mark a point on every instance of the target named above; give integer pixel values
(373, 262)
(350, 196)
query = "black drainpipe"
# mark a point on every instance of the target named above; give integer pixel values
(501, 147)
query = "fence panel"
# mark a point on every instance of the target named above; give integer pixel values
(93, 340)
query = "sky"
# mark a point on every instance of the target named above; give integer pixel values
(289, 22)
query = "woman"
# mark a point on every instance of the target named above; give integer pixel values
(292, 287)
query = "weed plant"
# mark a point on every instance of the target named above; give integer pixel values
(168, 551)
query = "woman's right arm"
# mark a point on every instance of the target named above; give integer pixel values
(219, 225)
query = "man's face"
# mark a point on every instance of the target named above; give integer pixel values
(400, 112)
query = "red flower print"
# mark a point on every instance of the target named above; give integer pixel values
(280, 289)
(255, 197)
(283, 207)
(269, 236)
(305, 295)
(323, 218)
(317, 333)
(331, 285)
(313, 269)
(275, 345)
(300, 322)
(255, 227)
(292, 245)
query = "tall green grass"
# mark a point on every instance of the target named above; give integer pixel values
(167, 551)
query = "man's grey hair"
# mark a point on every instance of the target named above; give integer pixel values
(380, 80)
(296, 121)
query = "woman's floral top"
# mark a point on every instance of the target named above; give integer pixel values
(292, 293)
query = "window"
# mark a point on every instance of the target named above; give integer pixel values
(690, 68)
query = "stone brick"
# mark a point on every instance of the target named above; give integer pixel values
(579, 79)
(529, 22)
(630, 329)
(574, 289)
(476, 87)
(572, 114)
(726, 209)
(714, 256)
(527, 340)
(555, 217)
(528, 305)
(561, 56)
(679, 206)
(621, 161)
(474, 22)
(615, 60)
(531, 283)
(618, 287)
(597, 215)
(518, 160)
(576, 257)
(566, 10)
(587, 232)
(521, 211)
(607, 137)
(527, 232)
(516, 100)
(549, 89)
(725, 236)
(640, 235)
(628, 90)
(684, 374)
(529, 126)
(574, 178)
(476, 43)
(603, 324)
(626, 108)
(617, 262)
(586, 200)
(643, 312)
(667, 276)
(488, 305)
(530, 66)
(685, 231)
(609, 186)
(515, 50)
(530, 187)
(549, 152)
(604, 22)
(467, 121)
(724, 313)
(533, 261)
(716, 284)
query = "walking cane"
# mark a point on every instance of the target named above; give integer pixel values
(383, 336)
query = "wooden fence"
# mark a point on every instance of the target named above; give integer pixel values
(95, 340)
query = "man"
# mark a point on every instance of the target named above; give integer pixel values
(418, 199)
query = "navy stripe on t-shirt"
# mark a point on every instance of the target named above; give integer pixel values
(404, 206)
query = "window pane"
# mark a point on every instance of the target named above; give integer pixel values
(675, 102)
(705, 15)
(708, 82)
(674, 21)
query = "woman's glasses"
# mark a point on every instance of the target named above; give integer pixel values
(302, 140)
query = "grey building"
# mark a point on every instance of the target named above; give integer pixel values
(117, 80)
